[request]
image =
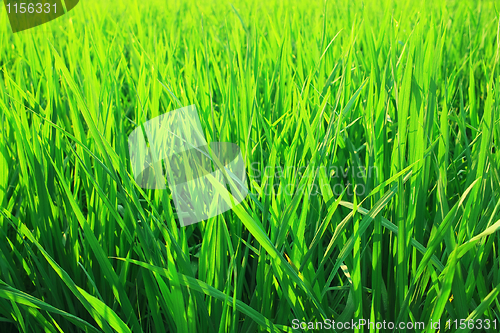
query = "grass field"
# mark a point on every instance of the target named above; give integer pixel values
(369, 131)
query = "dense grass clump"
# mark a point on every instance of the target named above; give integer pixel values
(370, 133)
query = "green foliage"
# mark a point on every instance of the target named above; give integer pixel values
(370, 133)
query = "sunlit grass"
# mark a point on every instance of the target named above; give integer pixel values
(370, 134)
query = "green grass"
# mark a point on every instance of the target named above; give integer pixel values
(313, 93)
